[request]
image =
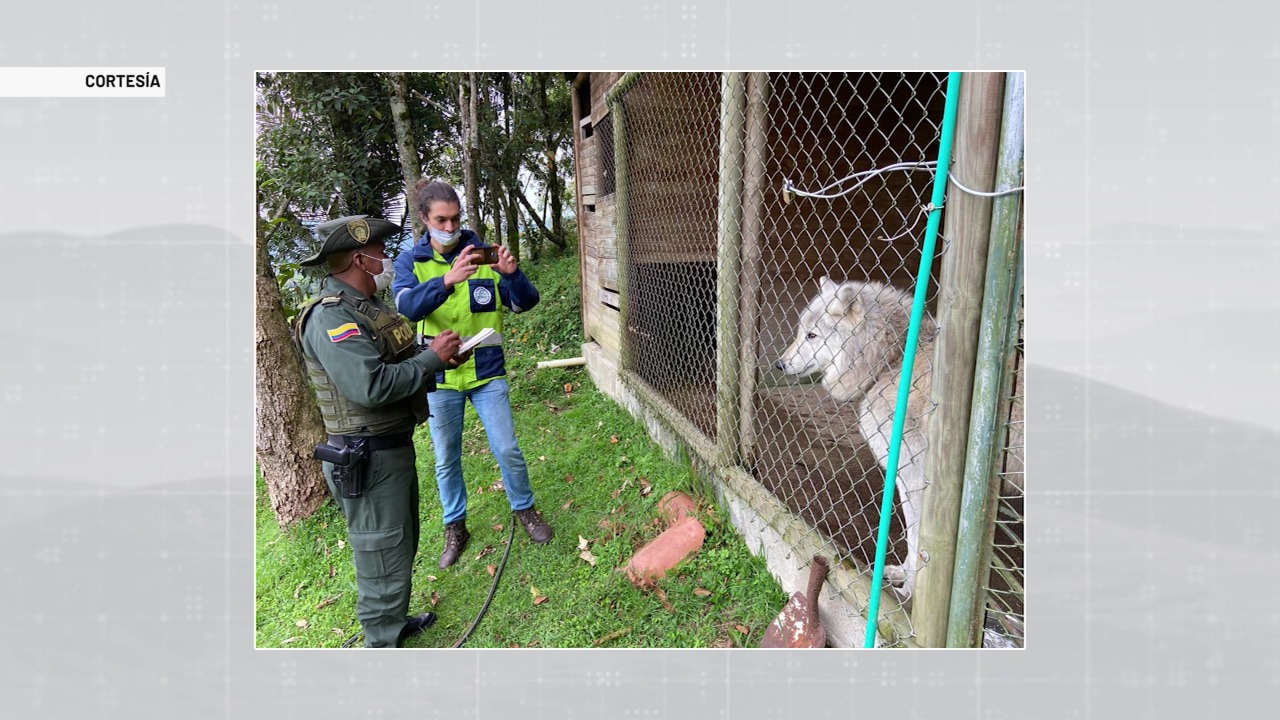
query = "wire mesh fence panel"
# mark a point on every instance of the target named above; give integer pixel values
(837, 276)
(1006, 617)
(672, 134)
(824, 284)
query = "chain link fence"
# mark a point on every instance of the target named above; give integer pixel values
(754, 241)
(670, 191)
(820, 455)
(695, 168)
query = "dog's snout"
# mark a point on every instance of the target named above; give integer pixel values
(778, 365)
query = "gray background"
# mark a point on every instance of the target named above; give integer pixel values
(126, 381)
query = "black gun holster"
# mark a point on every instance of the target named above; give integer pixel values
(350, 458)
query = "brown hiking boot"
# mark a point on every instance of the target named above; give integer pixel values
(539, 531)
(455, 541)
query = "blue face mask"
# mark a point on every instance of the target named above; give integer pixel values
(446, 240)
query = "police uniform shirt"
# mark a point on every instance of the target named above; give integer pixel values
(341, 341)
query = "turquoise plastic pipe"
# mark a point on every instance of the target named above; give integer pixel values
(909, 356)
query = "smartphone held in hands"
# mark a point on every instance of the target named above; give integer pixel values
(487, 256)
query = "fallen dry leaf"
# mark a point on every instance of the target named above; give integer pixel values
(487, 549)
(742, 629)
(299, 589)
(286, 641)
(497, 528)
(491, 569)
(431, 578)
(582, 543)
(533, 591)
(566, 505)
(341, 544)
(540, 599)
(568, 478)
(542, 458)
(302, 623)
(332, 571)
(701, 592)
(568, 388)
(435, 598)
(496, 487)
(613, 439)
(645, 487)
(328, 601)
(586, 555)
(662, 598)
(338, 631)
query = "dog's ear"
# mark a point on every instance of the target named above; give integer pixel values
(826, 286)
(847, 294)
(840, 298)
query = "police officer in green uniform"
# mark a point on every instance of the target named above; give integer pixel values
(371, 382)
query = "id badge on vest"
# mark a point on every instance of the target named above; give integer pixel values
(483, 293)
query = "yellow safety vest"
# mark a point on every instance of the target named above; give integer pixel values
(473, 305)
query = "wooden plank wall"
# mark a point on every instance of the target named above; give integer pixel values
(598, 242)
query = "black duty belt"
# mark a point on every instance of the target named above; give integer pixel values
(376, 442)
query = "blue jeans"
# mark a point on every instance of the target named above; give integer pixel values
(494, 408)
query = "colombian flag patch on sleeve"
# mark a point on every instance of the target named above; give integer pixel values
(342, 332)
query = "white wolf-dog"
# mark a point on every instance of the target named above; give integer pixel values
(854, 334)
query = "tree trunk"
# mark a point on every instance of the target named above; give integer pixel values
(468, 158)
(513, 226)
(554, 190)
(495, 211)
(472, 157)
(288, 421)
(553, 172)
(537, 219)
(409, 165)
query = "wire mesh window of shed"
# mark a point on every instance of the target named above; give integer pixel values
(672, 138)
(818, 128)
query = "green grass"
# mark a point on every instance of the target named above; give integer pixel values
(581, 476)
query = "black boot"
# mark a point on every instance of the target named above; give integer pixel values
(415, 625)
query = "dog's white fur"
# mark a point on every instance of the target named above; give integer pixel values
(854, 334)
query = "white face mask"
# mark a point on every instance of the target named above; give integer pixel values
(382, 280)
(446, 240)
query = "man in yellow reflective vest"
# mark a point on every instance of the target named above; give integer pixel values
(442, 283)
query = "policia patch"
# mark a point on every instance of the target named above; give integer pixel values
(359, 231)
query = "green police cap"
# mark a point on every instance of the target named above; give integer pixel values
(349, 233)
